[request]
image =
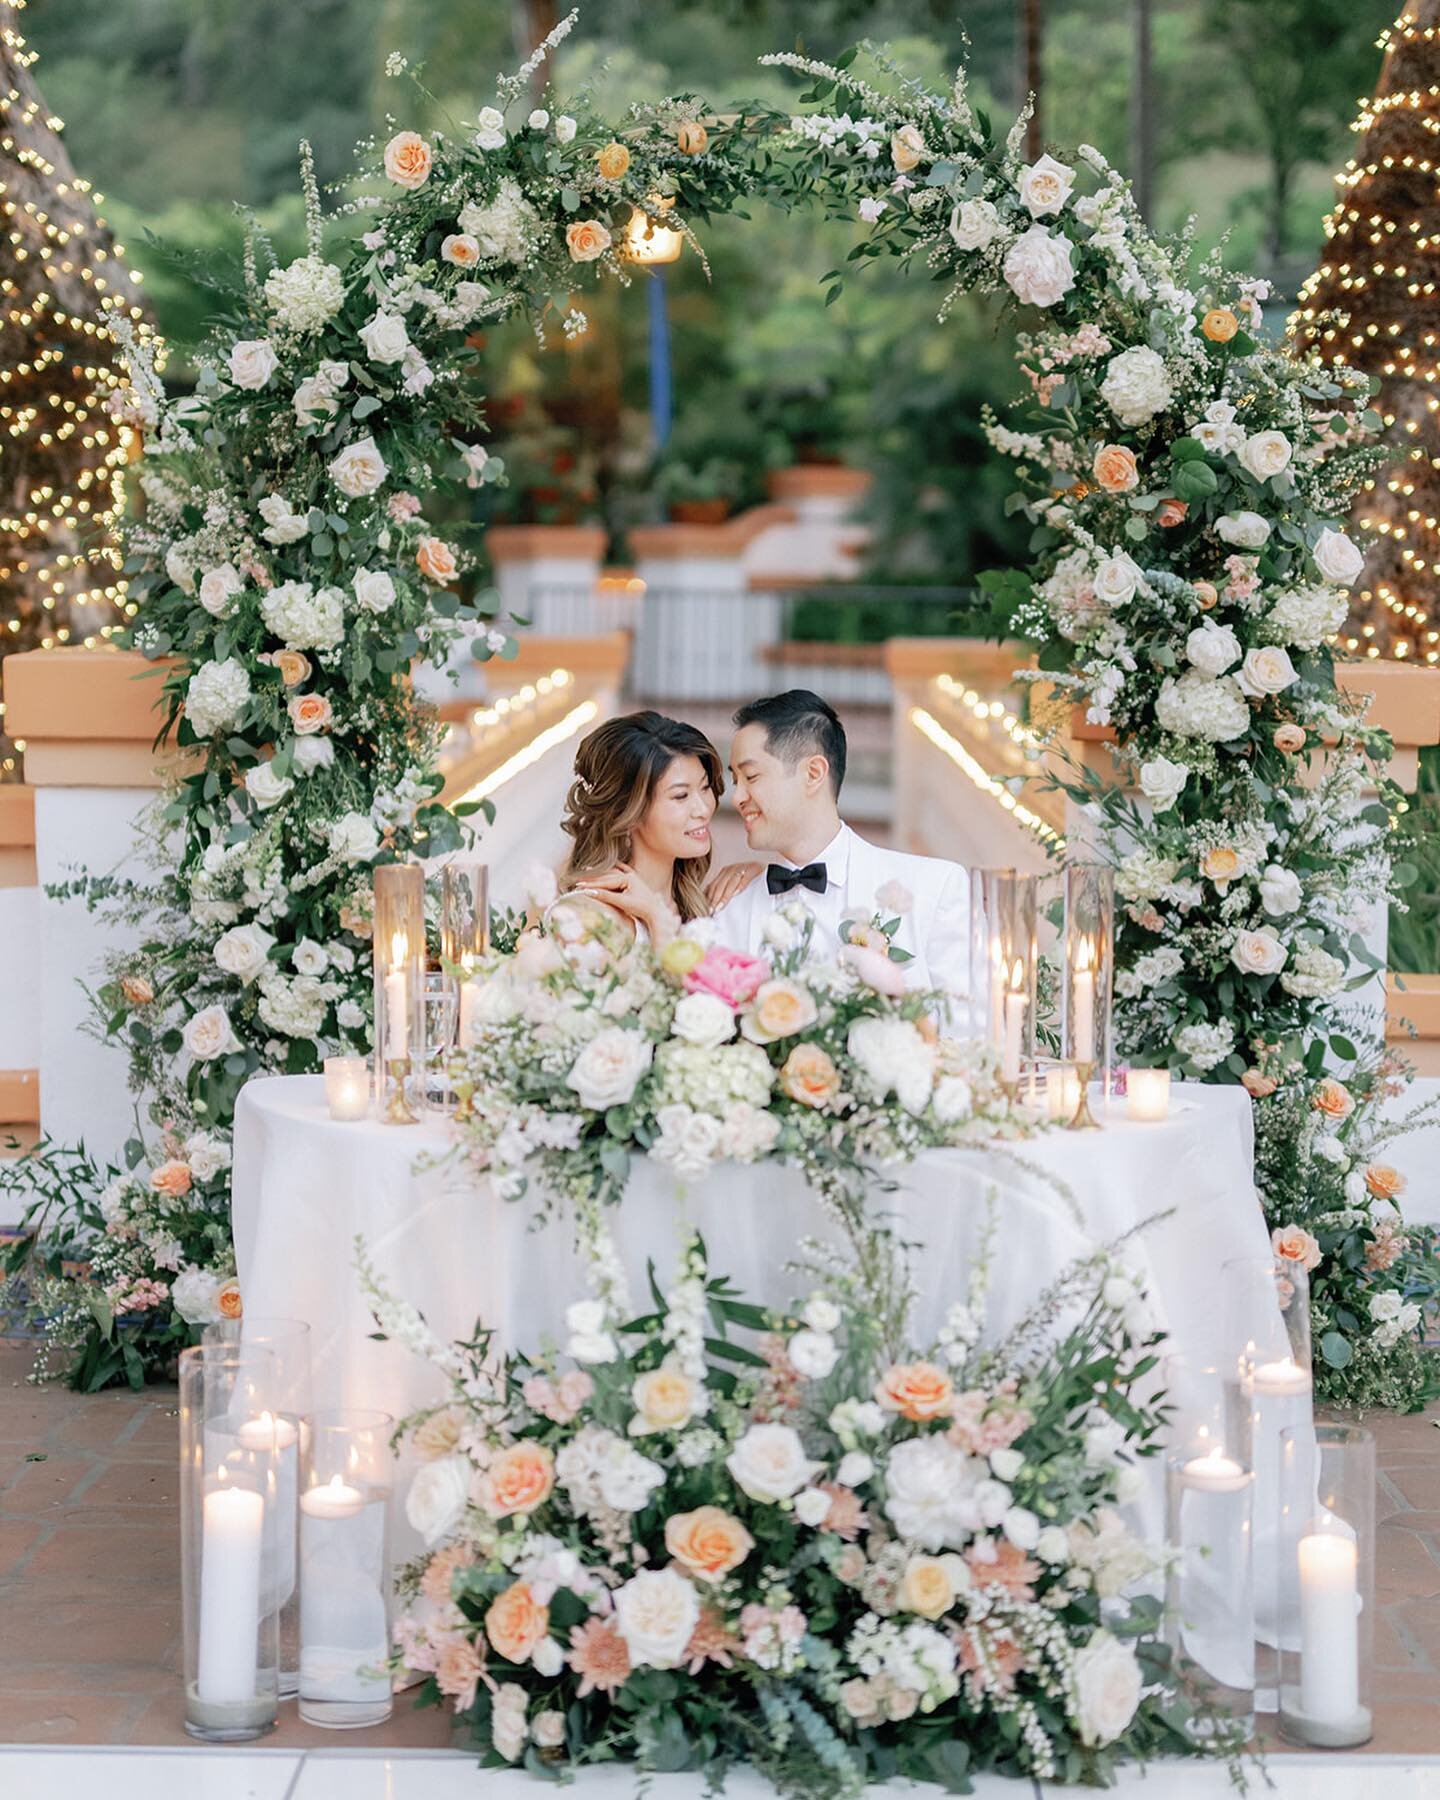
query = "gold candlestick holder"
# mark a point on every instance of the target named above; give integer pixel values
(398, 1110)
(1084, 1119)
(464, 1089)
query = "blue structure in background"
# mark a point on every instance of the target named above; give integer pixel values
(662, 398)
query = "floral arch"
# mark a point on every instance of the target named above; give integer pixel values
(1186, 482)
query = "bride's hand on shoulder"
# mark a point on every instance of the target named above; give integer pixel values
(722, 888)
(633, 896)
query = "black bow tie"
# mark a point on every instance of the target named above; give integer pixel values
(780, 880)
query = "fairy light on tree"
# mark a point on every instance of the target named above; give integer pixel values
(67, 427)
(1374, 303)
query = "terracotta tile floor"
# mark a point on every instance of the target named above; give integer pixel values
(89, 1578)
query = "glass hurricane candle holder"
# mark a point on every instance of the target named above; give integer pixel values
(231, 1555)
(399, 953)
(1209, 1500)
(1328, 1585)
(1147, 1095)
(1003, 965)
(464, 932)
(347, 1087)
(345, 1570)
(1088, 976)
(441, 1004)
(290, 1403)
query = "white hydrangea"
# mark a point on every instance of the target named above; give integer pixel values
(1305, 617)
(304, 618)
(1143, 876)
(218, 693)
(895, 1059)
(1206, 1045)
(305, 296)
(1136, 385)
(1196, 706)
(504, 226)
(295, 1008)
(1314, 974)
(713, 1080)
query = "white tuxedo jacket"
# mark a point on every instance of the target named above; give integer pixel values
(935, 930)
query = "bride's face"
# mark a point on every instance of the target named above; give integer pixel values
(677, 820)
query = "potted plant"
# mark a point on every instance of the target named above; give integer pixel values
(699, 493)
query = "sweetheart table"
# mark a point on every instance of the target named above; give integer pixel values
(306, 1186)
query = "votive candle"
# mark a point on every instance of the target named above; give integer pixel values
(1147, 1094)
(1214, 1473)
(347, 1087)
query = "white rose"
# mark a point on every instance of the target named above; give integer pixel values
(1006, 1464)
(438, 1497)
(207, 1155)
(812, 1507)
(281, 525)
(1116, 579)
(252, 362)
(1279, 891)
(704, 1020)
(1385, 1305)
(854, 1469)
(374, 590)
(491, 123)
(209, 1034)
(1161, 782)
(314, 396)
(931, 1493)
(385, 337)
(548, 1659)
(1037, 267)
(218, 587)
(1337, 558)
(821, 1314)
(309, 958)
(1258, 952)
(814, 1353)
(192, 1293)
(476, 459)
(609, 1068)
(1136, 385)
(1212, 648)
(769, 1463)
(1265, 454)
(538, 119)
(1053, 1545)
(1021, 1527)
(1107, 1689)
(655, 1613)
(243, 951)
(353, 837)
(359, 469)
(1248, 530)
(313, 753)
(974, 224)
(778, 932)
(564, 129)
(1044, 186)
(1266, 670)
(895, 1058)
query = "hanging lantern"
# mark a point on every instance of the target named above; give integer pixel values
(647, 242)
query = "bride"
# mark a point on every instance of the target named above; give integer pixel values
(639, 811)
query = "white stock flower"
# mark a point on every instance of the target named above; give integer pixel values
(1258, 952)
(1265, 454)
(564, 128)
(1162, 781)
(218, 693)
(1337, 558)
(385, 338)
(1246, 530)
(192, 1294)
(353, 837)
(359, 469)
(974, 224)
(1136, 385)
(769, 1463)
(655, 1613)
(439, 1494)
(1266, 670)
(252, 363)
(703, 1019)
(209, 1034)
(1212, 648)
(1107, 1689)
(608, 1070)
(218, 588)
(243, 952)
(1280, 891)
(1037, 267)
(589, 1340)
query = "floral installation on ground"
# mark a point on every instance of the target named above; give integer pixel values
(807, 1552)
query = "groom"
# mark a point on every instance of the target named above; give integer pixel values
(787, 762)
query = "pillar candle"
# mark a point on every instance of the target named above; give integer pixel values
(1082, 994)
(1329, 1629)
(232, 1535)
(397, 1026)
(1147, 1094)
(260, 1435)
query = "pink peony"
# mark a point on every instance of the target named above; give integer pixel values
(728, 975)
(875, 969)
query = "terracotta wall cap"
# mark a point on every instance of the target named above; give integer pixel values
(17, 815)
(83, 694)
(969, 659)
(670, 543)
(1418, 1003)
(531, 543)
(20, 1096)
(1406, 698)
(590, 659)
(807, 480)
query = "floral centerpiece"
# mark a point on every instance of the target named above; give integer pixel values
(830, 1561)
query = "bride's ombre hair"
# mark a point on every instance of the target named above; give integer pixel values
(617, 770)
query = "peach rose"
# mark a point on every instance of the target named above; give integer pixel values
(1220, 325)
(440, 1433)
(1206, 594)
(692, 138)
(707, 1543)
(917, 1391)
(809, 1075)
(460, 249)
(780, 1009)
(586, 239)
(435, 560)
(1333, 1099)
(1258, 1084)
(516, 1622)
(310, 713)
(612, 161)
(1289, 738)
(518, 1480)
(137, 990)
(665, 1400)
(294, 666)
(172, 1178)
(227, 1299)
(457, 1671)
(1383, 1181)
(1115, 469)
(1171, 512)
(1295, 1244)
(907, 147)
(926, 1587)
(407, 159)
(1220, 864)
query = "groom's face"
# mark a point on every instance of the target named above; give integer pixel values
(774, 800)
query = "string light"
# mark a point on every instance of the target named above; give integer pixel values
(65, 448)
(1372, 305)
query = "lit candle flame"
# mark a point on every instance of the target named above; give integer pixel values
(1017, 976)
(1084, 955)
(399, 950)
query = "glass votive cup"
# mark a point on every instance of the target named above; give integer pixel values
(1147, 1094)
(1062, 1091)
(347, 1087)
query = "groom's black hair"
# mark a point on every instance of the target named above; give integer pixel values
(798, 723)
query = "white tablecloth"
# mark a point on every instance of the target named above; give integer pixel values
(305, 1187)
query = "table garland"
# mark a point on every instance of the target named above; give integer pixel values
(1187, 485)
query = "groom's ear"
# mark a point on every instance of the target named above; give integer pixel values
(817, 774)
